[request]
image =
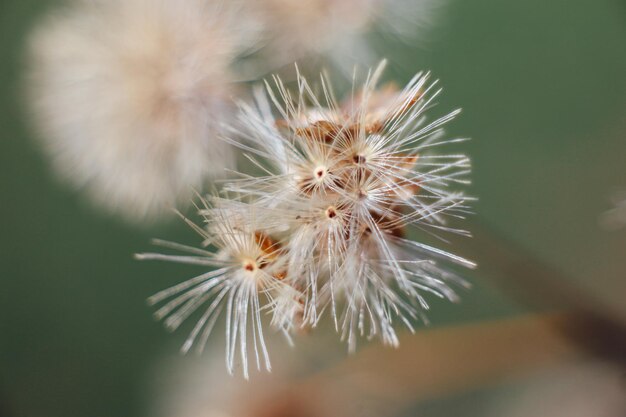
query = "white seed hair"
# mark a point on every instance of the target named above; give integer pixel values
(337, 187)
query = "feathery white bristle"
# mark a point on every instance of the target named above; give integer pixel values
(341, 185)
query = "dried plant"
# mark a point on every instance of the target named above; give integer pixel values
(321, 229)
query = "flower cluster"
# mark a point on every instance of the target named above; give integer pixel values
(321, 228)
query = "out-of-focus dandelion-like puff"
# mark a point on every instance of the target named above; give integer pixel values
(341, 185)
(129, 95)
(338, 28)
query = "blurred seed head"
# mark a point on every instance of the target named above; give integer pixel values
(129, 95)
(337, 29)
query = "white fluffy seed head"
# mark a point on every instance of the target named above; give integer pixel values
(245, 274)
(337, 29)
(312, 26)
(129, 95)
(341, 246)
(355, 176)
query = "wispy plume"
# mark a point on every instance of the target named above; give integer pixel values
(321, 229)
(129, 96)
(339, 29)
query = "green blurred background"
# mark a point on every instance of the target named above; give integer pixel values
(543, 88)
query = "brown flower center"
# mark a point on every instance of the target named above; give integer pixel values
(249, 265)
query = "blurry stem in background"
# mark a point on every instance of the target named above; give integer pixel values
(382, 382)
(538, 286)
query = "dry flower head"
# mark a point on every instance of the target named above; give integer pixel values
(338, 187)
